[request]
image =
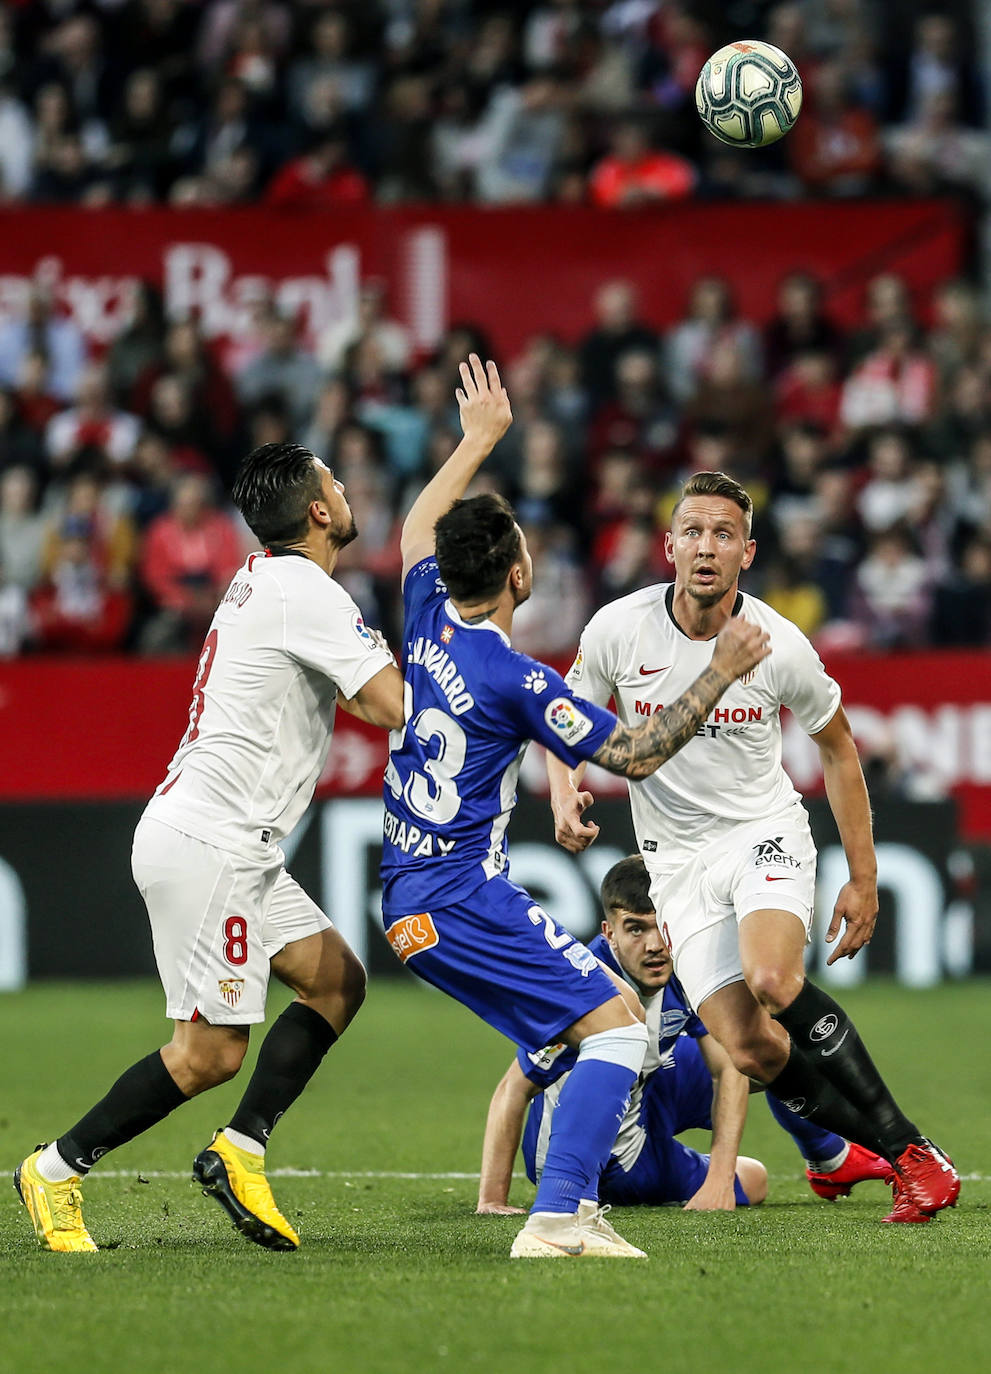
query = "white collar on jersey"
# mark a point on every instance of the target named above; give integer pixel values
(483, 625)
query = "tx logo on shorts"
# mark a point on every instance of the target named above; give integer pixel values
(412, 935)
(771, 852)
(231, 989)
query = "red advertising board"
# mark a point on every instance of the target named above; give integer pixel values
(514, 272)
(106, 730)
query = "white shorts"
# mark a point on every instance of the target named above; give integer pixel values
(216, 921)
(770, 865)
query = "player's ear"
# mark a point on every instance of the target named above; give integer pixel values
(749, 551)
(319, 513)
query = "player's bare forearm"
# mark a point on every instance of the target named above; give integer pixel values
(503, 1132)
(485, 416)
(569, 804)
(856, 905)
(730, 1097)
(639, 752)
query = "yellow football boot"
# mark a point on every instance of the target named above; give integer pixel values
(237, 1180)
(55, 1208)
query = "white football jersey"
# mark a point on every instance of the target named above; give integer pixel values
(284, 640)
(634, 651)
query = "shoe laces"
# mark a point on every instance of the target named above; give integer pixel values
(597, 1222)
(66, 1204)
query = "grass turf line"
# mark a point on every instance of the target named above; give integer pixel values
(397, 1275)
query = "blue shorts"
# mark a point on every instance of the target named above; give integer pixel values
(500, 954)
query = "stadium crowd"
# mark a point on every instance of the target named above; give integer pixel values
(868, 454)
(325, 102)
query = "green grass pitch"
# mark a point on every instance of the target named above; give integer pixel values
(396, 1274)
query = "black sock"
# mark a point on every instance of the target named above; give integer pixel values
(289, 1057)
(809, 1094)
(825, 1034)
(142, 1096)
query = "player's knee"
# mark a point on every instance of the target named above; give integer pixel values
(774, 987)
(753, 1179)
(755, 1053)
(354, 983)
(209, 1065)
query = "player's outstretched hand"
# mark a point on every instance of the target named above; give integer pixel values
(485, 410)
(740, 646)
(857, 906)
(571, 831)
(498, 1209)
(713, 1196)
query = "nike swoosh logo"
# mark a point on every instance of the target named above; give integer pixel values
(827, 1053)
(781, 878)
(649, 672)
(565, 1249)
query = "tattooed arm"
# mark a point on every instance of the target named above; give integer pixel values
(638, 752)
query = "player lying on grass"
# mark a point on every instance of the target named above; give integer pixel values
(450, 911)
(285, 645)
(687, 1082)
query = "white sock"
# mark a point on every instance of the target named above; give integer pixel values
(828, 1166)
(53, 1168)
(244, 1142)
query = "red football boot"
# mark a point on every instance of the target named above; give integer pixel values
(927, 1177)
(905, 1211)
(859, 1165)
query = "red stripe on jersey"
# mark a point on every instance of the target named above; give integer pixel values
(169, 785)
(196, 1014)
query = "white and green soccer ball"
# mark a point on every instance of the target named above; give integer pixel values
(749, 94)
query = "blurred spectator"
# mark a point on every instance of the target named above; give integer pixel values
(835, 148)
(22, 528)
(171, 416)
(617, 331)
(962, 602)
(800, 325)
(728, 396)
(553, 617)
(77, 609)
(139, 345)
(520, 137)
(19, 442)
(807, 391)
(887, 307)
(34, 402)
(283, 368)
(640, 417)
(689, 346)
(56, 339)
(16, 139)
(14, 620)
(894, 384)
(936, 153)
(939, 66)
(893, 592)
(140, 155)
(370, 320)
(319, 179)
(954, 340)
(110, 532)
(793, 592)
(91, 423)
(888, 495)
(328, 57)
(190, 554)
(633, 173)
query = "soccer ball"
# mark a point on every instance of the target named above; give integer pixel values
(749, 94)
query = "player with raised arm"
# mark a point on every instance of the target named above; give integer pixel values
(286, 645)
(687, 1082)
(451, 913)
(727, 841)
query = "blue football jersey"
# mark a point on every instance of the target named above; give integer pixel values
(472, 704)
(668, 1017)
